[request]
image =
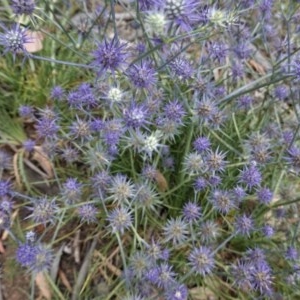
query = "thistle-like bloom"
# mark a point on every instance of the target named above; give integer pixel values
(176, 292)
(87, 213)
(136, 115)
(25, 111)
(13, 40)
(121, 189)
(243, 225)
(72, 191)
(293, 158)
(201, 144)
(80, 129)
(205, 109)
(291, 253)
(181, 68)
(25, 254)
(165, 276)
(139, 263)
(264, 195)
(175, 230)
(261, 278)
(193, 163)
(202, 260)
(70, 155)
(20, 7)
(142, 75)
(28, 145)
(209, 231)
(174, 111)
(44, 210)
(215, 161)
(146, 197)
(222, 201)
(109, 56)
(241, 275)
(191, 212)
(267, 230)
(57, 93)
(119, 219)
(47, 128)
(250, 176)
(100, 183)
(5, 188)
(42, 259)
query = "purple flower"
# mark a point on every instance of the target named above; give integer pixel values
(72, 191)
(176, 292)
(43, 211)
(146, 197)
(119, 219)
(142, 75)
(57, 93)
(205, 109)
(267, 230)
(181, 68)
(209, 231)
(264, 195)
(244, 102)
(70, 155)
(242, 51)
(281, 92)
(214, 180)
(13, 40)
(239, 193)
(87, 213)
(250, 176)
(261, 278)
(241, 275)
(42, 259)
(200, 184)
(47, 128)
(20, 7)
(221, 201)
(175, 230)
(80, 129)
(109, 56)
(191, 212)
(291, 253)
(25, 111)
(25, 254)
(86, 95)
(29, 145)
(100, 183)
(201, 144)
(5, 188)
(217, 51)
(293, 158)
(215, 161)
(174, 111)
(136, 115)
(165, 276)
(243, 225)
(202, 260)
(121, 189)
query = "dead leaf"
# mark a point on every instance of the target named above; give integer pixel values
(43, 285)
(16, 170)
(64, 280)
(161, 181)
(257, 67)
(36, 39)
(42, 158)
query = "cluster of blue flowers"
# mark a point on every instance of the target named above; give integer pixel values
(181, 145)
